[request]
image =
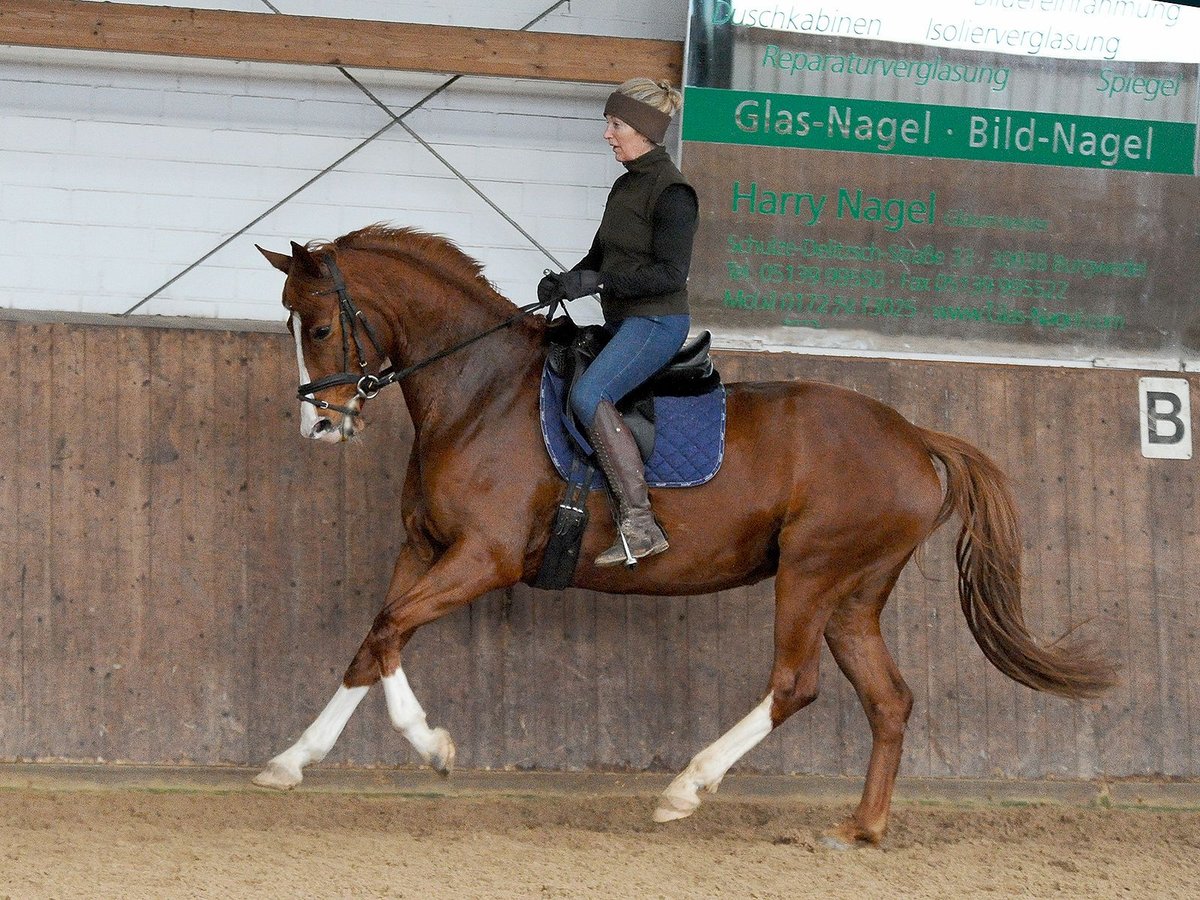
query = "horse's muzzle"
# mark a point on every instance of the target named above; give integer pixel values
(326, 429)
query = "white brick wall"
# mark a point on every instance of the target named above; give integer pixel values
(118, 171)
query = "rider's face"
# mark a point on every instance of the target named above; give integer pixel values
(626, 141)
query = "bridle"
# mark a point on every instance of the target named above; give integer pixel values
(368, 384)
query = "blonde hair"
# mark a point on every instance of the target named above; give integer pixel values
(658, 94)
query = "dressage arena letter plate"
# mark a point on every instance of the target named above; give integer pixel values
(1166, 416)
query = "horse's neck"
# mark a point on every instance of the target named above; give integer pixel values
(470, 384)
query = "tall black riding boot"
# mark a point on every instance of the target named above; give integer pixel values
(619, 458)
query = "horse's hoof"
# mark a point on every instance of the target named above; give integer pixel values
(835, 842)
(278, 776)
(676, 804)
(442, 759)
(848, 836)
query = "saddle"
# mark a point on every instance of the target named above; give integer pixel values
(677, 418)
(690, 373)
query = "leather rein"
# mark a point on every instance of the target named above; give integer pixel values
(368, 384)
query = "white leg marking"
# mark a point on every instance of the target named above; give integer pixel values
(318, 739)
(434, 744)
(308, 412)
(709, 766)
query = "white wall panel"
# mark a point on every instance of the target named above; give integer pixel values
(118, 172)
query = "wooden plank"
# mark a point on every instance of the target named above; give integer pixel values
(1170, 491)
(311, 40)
(1091, 562)
(519, 715)
(179, 658)
(104, 506)
(1189, 630)
(643, 689)
(703, 675)
(240, 419)
(1126, 598)
(1114, 558)
(221, 422)
(270, 445)
(20, 416)
(577, 699)
(486, 686)
(612, 688)
(127, 533)
(32, 528)
(670, 633)
(1142, 673)
(71, 690)
(544, 705)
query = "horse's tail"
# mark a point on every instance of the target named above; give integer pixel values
(988, 555)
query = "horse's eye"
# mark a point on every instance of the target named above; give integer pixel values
(321, 332)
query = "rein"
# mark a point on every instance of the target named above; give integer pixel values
(367, 384)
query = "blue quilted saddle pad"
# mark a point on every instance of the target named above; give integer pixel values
(689, 441)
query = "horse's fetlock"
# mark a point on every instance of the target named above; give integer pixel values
(410, 724)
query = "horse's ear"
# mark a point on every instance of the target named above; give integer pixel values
(307, 261)
(279, 260)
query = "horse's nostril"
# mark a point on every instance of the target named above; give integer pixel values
(322, 426)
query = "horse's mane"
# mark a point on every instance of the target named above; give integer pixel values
(431, 251)
(439, 256)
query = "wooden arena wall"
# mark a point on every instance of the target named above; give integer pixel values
(184, 579)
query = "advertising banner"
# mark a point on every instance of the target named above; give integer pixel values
(1003, 181)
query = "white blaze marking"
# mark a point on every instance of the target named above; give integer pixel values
(308, 412)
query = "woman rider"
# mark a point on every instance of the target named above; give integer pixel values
(638, 264)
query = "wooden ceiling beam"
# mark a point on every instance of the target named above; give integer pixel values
(312, 40)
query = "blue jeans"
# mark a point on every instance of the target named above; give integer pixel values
(640, 346)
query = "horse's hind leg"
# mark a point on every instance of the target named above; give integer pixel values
(854, 638)
(801, 608)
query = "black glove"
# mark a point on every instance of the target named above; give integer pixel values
(549, 288)
(579, 283)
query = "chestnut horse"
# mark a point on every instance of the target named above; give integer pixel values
(480, 494)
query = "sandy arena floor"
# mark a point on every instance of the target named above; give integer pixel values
(71, 835)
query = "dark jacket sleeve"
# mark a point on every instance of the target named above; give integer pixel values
(594, 259)
(674, 224)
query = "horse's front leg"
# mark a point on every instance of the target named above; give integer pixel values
(418, 594)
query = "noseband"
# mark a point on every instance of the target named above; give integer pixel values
(367, 384)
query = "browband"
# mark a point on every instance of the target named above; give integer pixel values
(645, 118)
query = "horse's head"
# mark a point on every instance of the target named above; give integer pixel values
(337, 348)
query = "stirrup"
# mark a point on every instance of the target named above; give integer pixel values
(621, 552)
(630, 559)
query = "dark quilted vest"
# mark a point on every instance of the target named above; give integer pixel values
(626, 232)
